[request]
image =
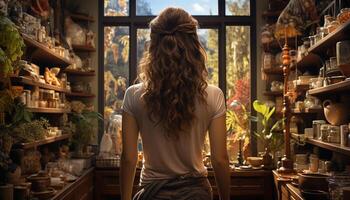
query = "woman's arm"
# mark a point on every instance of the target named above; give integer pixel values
(130, 132)
(219, 157)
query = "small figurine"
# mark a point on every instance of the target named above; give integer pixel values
(50, 77)
(47, 76)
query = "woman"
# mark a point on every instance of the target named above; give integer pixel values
(173, 107)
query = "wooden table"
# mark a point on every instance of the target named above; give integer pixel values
(257, 184)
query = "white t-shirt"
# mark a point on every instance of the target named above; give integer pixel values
(164, 157)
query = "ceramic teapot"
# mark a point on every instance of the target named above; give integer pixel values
(336, 113)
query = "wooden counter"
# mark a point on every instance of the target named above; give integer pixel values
(81, 189)
(257, 184)
(285, 189)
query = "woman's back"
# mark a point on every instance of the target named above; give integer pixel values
(166, 157)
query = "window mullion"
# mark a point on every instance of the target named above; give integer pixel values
(222, 57)
(132, 54)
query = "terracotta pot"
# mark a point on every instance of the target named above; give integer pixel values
(336, 113)
(6, 192)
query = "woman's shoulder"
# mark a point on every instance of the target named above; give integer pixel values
(134, 88)
(213, 90)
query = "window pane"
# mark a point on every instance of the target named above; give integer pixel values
(238, 7)
(143, 37)
(116, 7)
(194, 7)
(116, 66)
(237, 81)
(209, 40)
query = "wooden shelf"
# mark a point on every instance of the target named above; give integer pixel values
(341, 33)
(79, 73)
(80, 95)
(82, 17)
(302, 88)
(311, 60)
(330, 146)
(41, 54)
(42, 142)
(83, 48)
(331, 89)
(28, 81)
(274, 70)
(308, 111)
(48, 110)
(272, 93)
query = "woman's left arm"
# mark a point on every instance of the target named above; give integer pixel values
(130, 132)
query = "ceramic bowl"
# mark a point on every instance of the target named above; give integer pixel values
(255, 161)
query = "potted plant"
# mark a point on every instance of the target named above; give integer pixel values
(238, 119)
(6, 167)
(11, 45)
(271, 134)
(31, 131)
(83, 129)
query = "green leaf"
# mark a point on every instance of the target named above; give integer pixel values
(260, 107)
(268, 116)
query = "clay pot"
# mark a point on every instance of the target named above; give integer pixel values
(335, 113)
(40, 182)
(255, 161)
(6, 192)
(312, 182)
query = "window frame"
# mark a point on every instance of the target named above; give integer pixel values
(218, 22)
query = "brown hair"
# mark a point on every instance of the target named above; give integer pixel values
(173, 71)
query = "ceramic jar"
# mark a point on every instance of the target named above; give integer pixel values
(336, 113)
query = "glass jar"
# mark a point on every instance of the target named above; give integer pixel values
(333, 134)
(323, 132)
(334, 25)
(316, 125)
(344, 15)
(268, 60)
(328, 20)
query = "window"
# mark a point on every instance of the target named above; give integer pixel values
(195, 7)
(227, 30)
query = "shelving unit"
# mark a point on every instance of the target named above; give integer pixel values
(79, 73)
(42, 142)
(48, 110)
(272, 93)
(274, 71)
(81, 95)
(41, 54)
(81, 17)
(331, 89)
(330, 146)
(83, 48)
(29, 81)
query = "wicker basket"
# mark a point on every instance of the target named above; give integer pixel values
(113, 162)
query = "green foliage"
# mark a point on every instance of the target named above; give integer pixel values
(11, 45)
(84, 127)
(271, 134)
(31, 131)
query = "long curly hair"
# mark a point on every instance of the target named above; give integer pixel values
(173, 71)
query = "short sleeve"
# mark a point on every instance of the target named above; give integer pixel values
(219, 105)
(128, 102)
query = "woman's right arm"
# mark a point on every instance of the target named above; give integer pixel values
(219, 157)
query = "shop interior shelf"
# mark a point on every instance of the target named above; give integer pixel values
(329, 146)
(28, 81)
(331, 89)
(42, 142)
(273, 93)
(79, 73)
(85, 48)
(80, 94)
(48, 110)
(41, 54)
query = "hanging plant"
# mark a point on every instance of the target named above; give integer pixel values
(11, 45)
